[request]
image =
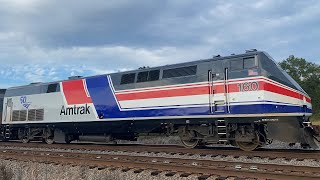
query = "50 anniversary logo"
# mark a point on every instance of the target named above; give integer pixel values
(24, 103)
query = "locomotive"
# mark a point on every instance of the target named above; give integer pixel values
(245, 100)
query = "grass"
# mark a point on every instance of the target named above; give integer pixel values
(316, 123)
(315, 119)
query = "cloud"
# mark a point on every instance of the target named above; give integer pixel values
(44, 65)
(51, 40)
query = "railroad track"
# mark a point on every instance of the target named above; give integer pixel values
(157, 164)
(287, 154)
(71, 155)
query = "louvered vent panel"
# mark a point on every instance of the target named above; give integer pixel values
(15, 115)
(23, 115)
(39, 114)
(31, 115)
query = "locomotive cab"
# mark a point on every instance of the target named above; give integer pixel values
(252, 101)
(293, 125)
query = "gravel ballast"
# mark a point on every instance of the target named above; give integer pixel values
(17, 170)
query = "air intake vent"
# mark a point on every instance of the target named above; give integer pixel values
(34, 83)
(23, 115)
(39, 114)
(35, 114)
(31, 115)
(74, 77)
(15, 115)
(19, 115)
(251, 50)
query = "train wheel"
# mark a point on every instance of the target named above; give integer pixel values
(190, 144)
(68, 141)
(49, 140)
(25, 140)
(48, 136)
(249, 146)
(69, 138)
(24, 135)
(189, 139)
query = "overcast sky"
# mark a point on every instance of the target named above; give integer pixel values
(46, 40)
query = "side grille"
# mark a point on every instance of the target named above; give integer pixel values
(19, 115)
(23, 115)
(15, 115)
(39, 114)
(30, 115)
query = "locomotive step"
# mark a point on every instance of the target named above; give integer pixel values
(222, 133)
(223, 140)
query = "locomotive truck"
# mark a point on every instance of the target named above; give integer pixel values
(245, 100)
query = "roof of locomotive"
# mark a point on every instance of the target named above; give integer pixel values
(214, 58)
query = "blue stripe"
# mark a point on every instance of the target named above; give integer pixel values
(106, 105)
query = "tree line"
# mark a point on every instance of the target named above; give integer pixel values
(307, 75)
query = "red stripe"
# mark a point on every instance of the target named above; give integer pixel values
(161, 88)
(218, 82)
(281, 90)
(164, 93)
(308, 99)
(75, 93)
(189, 91)
(185, 85)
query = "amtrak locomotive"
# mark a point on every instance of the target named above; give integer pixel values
(244, 100)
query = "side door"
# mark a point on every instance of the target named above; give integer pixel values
(218, 88)
(8, 110)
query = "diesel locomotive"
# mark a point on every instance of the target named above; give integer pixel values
(245, 100)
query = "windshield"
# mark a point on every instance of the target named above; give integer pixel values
(275, 72)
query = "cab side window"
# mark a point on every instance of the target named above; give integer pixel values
(148, 76)
(249, 63)
(142, 76)
(236, 65)
(128, 78)
(180, 72)
(53, 88)
(243, 63)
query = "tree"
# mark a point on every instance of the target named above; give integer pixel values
(307, 74)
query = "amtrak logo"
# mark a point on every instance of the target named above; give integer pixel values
(24, 103)
(75, 110)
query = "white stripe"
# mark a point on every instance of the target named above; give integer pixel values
(270, 96)
(195, 84)
(62, 93)
(165, 107)
(237, 98)
(205, 83)
(112, 90)
(84, 82)
(161, 87)
(203, 105)
(167, 101)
